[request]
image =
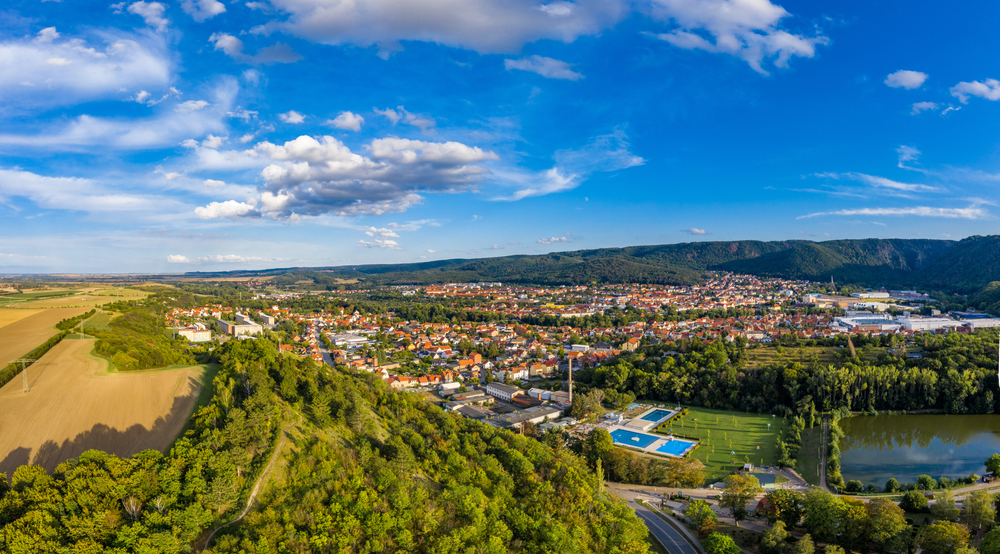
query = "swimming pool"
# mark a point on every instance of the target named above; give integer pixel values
(656, 415)
(633, 439)
(676, 447)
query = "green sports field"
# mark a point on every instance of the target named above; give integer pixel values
(721, 435)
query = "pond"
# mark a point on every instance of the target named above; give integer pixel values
(875, 448)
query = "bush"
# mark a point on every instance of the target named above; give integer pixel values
(914, 501)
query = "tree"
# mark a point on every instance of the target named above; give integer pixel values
(803, 546)
(833, 549)
(979, 510)
(717, 543)
(599, 444)
(991, 542)
(739, 490)
(786, 505)
(886, 522)
(823, 515)
(913, 501)
(773, 541)
(701, 516)
(892, 485)
(944, 506)
(944, 537)
(855, 486)
(993, 464)
(926, 483)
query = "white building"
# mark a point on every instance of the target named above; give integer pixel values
(919, 324)
(982, 323)
(240, 330)
(502, 391)
(194, 334)
(267, 319)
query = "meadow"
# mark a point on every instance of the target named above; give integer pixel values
(75, 405)
(722, 432)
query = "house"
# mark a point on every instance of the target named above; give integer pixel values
(631, 344)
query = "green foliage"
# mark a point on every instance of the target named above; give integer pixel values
(774, 540)
(701, 516)
(944, 506)
(71, 322)
(944, 537)
(978, 509)
(914, 501)
(137, 340)
(717, 543)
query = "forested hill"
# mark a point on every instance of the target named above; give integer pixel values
(963, 266)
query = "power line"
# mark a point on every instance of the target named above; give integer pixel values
(25, 362)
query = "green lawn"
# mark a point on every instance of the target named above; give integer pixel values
(720, 436)
(99, 321)
(808, 464)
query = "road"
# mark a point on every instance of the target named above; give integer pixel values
(670, 538)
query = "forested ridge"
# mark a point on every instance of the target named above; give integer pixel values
(371, 471)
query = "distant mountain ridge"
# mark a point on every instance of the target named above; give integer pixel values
(962, 266)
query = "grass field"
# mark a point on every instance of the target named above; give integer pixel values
(76, 405)
(23, 336)
(99, 321)
(808, 464)
(720, 436)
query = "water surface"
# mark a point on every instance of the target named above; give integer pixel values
(876, 448)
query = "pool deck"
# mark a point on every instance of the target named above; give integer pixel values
(637, 423)
(652, 448)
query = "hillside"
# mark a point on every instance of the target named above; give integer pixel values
(962, 266)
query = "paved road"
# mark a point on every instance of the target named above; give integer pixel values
(670, 538)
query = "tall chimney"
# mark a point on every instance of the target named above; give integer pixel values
(570, 379)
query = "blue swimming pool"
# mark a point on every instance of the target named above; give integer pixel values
(633, 439)
(656, 415)
(676, 447)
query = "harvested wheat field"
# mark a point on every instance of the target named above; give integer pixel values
(8, 316)
(23, 336)
(75, 405)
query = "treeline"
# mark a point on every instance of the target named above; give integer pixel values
(138, 340)
(69, 323)
(955, 375)
(13, 369)
(153, 502)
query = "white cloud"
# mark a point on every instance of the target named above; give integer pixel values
(178, 259)
(213, 184)
(882, 184)
(906, 79)
(974, 211)
(604, 153)
(292, 116)
(315, 177)
(235, 259)
(748, 29)
(212, 141)
(694, 231)
(76, 194)
(191, 106)
(486, 26)
(228, 209)
(422, 122)
(922, 107)
(495, 247)
(431, 251)
(378, 243)
(907, 154)
(166, 128)
(990, 90)
(347, 121)
(552, 240)
(382, 233)
(233, 47)
(200, 10)
(66, 71)
(151, 13)
(546, 67)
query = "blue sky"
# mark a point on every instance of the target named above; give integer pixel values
(212, 135)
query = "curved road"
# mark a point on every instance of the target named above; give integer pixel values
(669, 537)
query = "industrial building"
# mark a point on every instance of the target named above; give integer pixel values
(239, 330)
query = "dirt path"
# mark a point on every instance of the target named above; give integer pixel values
(253, 493)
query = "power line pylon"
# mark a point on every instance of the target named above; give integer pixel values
(25, 362)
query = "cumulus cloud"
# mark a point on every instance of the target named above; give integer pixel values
(379, 243)
(973, 211)
(989, 89)
(310, 176)
(230, 209)
(151, 13)
(382, 233)
(922, 107)
(347, 121)
(552, 240)
(747, 29)
(233, 47)
(55, 70)
(604, 153)
(422, 122)
(546, 67)
(906, 79)
(292, 116)
(178, 259)
(486, 26)
(200, 10)
(694, 231)
(214, 184)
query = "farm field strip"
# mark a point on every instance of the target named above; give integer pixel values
(11, 316)
(75, 405)
(23, 336)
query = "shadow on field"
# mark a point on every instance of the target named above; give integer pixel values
(122, 443)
